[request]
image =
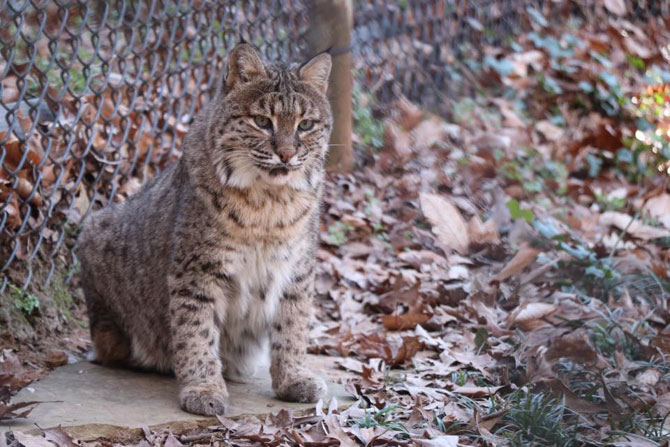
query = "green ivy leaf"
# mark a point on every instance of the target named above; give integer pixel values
(517, 213)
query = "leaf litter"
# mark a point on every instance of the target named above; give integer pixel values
(500, 278)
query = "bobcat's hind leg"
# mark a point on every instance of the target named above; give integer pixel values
(111, 346)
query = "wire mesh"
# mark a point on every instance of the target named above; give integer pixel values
(95, 99)
(96, 96)
(416, 47)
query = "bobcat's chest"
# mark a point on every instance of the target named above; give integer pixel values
(259, 275)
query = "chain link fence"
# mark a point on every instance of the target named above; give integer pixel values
(96, 96)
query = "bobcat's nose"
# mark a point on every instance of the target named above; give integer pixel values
(285, 153)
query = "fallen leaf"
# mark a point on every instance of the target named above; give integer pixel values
(398, 141)
(171, 441)
(633, 227)
(550, 131)
(658, 208)
(428, 133)
(617, 7)
(350, 364)
(521, 62)
(448, 224)
(60, 437)
(526, 314)
(9, 411)
(522, 259)
(575, 345)
(573, 400)
(440, 441)
(476, 391)
(56, 358)
(482, 233)
(404, 321)
(409, 114)
(31, 440)
(336, 431)
(631, 440)
(649, 377)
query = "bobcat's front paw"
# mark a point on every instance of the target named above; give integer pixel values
(302, 388)
(207, 400)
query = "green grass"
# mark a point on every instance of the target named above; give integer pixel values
(537, 419)
(23, 300)
(61, 296)
(369, 129)
(339, 232)
(382, 418)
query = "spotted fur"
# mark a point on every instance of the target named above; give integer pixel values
(216, 255)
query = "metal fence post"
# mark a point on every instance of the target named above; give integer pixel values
(330, 26)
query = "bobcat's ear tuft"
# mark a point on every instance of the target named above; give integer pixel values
(316, 71)
(244, 65)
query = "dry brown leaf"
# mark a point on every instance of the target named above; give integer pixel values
(398, 141)
(483, 233)
(14, 216)
(509, 115)
(428, 133)
(617, 7)
(658, 208)
(9, 94)
(24, 188)
(336, 431)
(11, 146)
(60, 437)
(31, 441)
(440, 441)
(638, 49)
(521, 62)
(633, 441)
(56, 358)
(409, 114)
(107, 109)
(525, 316)
(662, 405)
(572, 400)
(25, 122)
(15, 149)
(575, 346)
(550, 131)
(635, 228)
(410, 346)
(171, 441)
(476, 391)
(485, 423)
(130, 187)
(350, 364)
(649, 377)
(522, 259)
(448, 224)
(408, 320)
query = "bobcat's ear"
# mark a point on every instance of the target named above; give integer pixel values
(316, 71)
(244, 65)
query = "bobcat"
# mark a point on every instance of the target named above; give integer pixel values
(216, 254)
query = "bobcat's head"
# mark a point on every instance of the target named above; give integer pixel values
(271, 123)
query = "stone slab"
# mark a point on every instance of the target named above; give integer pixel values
(88, 394)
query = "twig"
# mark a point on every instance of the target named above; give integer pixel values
(621, 235)
(198, 437)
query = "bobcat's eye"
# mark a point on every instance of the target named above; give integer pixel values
(263, 122)
(306, 124)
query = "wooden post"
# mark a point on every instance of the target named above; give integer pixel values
(331, 24)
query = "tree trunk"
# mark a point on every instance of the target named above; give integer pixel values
(331, 24)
